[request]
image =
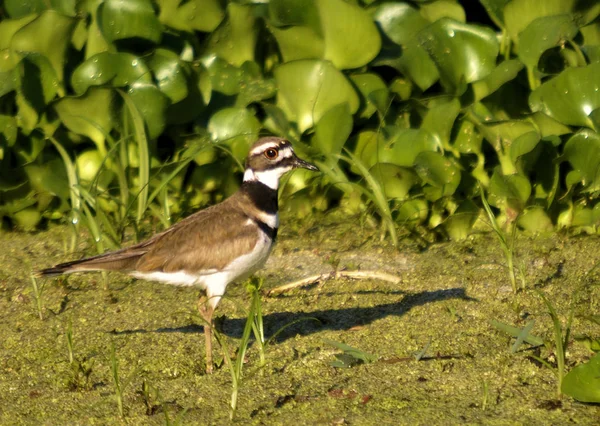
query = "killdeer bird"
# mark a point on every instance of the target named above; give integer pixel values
(212, 247)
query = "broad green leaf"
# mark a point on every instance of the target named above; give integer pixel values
(543, 34)
(152, 105)
(502, 134)
(440, 118)
(463, 53)
(535, 220)
(583, 381)
(401, 23)
(413, 212)
(582, 151)
(503, 73)
(310, 88)
(129, 19)
(510, 191)
(460, 223)
(37, 81)
(170, 74)
(198, 15)
(402, 146)
(570, 97)
(468, 140)
(235, 39)
(254, 87)
(8, 28)
(236, 127)
(547, 126)
(439, 172)
(495, 9)
(351, 37)
(335, 30)
(518, 14)
(333, 129)
(110, 69)
(225, 78)
(20, 8)
(49, 35)
(523, 145)
(90, 115)
(395, 181)
(374, 92)
(433, 11)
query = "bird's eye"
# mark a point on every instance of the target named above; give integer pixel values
(271, 153)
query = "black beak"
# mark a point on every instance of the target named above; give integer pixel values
(298, 162)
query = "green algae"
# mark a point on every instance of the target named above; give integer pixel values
(442, 309)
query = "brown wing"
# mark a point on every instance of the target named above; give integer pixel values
(206, 240)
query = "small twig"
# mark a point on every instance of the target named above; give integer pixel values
(357, 275)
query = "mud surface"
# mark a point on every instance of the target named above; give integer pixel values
(438, 358)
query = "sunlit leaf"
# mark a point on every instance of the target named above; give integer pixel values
(518, 14)
(583, 381)
(90, 115)
(571, 96)
(582, 151)
(402, 146)
(463, 53)
(440, 118)
(235, 39)
(510, 191)
(237, 127)
(460, 223)
(170, 74)
(503, 73)
(310, 88)
(129, 19)
(333, 129)
(110, 69)
(542, 34)
(438, 172)
(49, 35)
(152, 105)
(535, 220)
(432, 11)
(199, 15)
(395, 181)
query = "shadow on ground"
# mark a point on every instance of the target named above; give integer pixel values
(308, 322)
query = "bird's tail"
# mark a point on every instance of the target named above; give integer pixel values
(122, 260)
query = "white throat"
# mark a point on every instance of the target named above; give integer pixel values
(268, 177)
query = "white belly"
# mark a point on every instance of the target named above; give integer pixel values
(213, 281)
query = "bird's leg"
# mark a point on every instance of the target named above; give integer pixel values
(206, 312)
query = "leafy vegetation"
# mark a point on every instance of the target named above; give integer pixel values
(114, 110)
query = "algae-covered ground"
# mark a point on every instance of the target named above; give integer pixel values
(438, 358)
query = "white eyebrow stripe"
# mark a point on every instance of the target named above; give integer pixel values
(261, 148)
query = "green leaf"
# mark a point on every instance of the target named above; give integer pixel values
(49, 35)
(518, 14)
(401, 23)
(170, 74)
(333, 129)
(152, 105)
(413, 212)
(191, 15)
(438, 172)
(495, 9)
(89, 115)
(110, 69)
(237, 127)
(374, 92)
(582, 151)
(395, 181)
(460, 223)
(505, 71)
(401, 147)
(440, 118)
(20, 8)
(583, 381)
(463, 53)
(310, 88)
(351, 37)
(570, 97)
(433, 11)
(535, 220)
(335, 30)
(235, 39)
(543, 34)
(511, 191)
(129, 19)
